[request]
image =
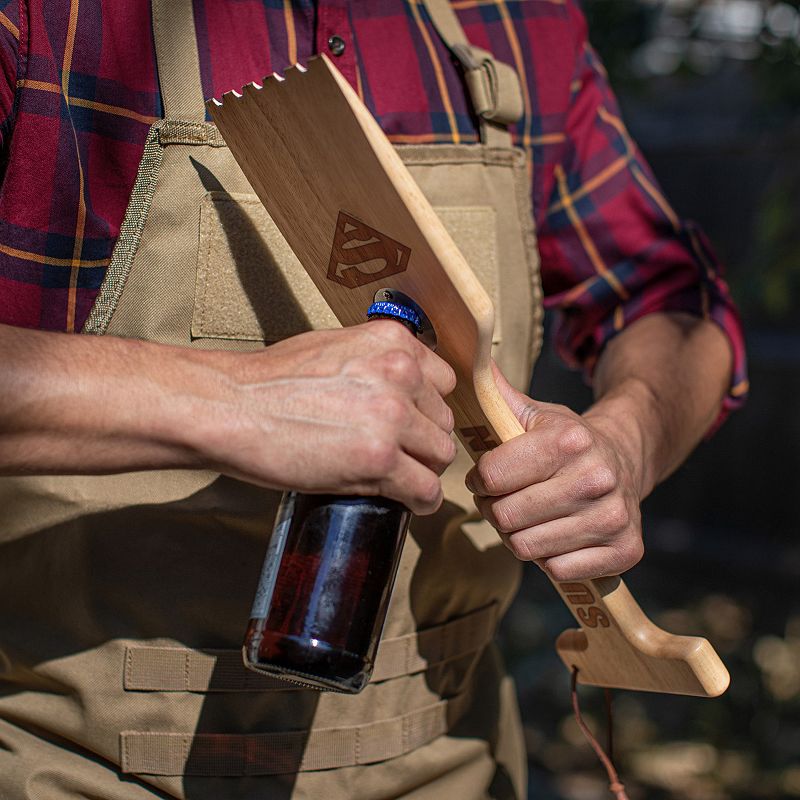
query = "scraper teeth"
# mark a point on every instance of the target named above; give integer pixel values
(278, 77)
(252, 88)
(293, 70)
(225, 96)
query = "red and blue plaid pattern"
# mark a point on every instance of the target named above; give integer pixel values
(79, 90)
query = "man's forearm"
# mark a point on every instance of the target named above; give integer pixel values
(659, 387)
(72, 404)
(357, 410)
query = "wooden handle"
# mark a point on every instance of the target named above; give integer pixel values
(330, 180)
(616, 645)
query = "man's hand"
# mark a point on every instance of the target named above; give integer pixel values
(564, 494)
(351, 411)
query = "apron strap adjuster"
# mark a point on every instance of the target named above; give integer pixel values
(493, 85)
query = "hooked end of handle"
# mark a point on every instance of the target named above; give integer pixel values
(674, 665)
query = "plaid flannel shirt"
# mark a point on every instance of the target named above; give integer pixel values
(79, 89)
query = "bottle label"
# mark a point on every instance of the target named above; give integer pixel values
(272, 560)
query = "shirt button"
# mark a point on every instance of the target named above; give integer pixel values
(336, 45)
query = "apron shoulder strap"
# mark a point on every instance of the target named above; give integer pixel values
(494, 86)
(177, 60)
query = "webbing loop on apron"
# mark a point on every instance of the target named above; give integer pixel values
(231, 755)
(177, 60)
(180, 669)
(195, 133)
(493, 85)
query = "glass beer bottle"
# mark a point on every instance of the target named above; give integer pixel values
(327, 579)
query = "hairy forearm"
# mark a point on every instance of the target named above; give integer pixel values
(73, 404)
(659, 387)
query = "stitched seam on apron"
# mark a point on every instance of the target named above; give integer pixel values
(130, 235)
(186, 681)
(128, 666)
(205, 231)
(200, 133)
(531, 253)
(420, 155)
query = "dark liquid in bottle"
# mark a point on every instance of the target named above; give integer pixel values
(325, 588)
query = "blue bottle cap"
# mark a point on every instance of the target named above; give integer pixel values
(385, 308)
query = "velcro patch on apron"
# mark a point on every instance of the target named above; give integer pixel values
(208, 754)
(182, 669)
(250, 284)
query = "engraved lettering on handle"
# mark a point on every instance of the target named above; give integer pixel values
(579, 594)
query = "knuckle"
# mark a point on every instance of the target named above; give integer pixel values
(428, 492)
(626, 555)
(491, 474)
(378, 456)
(521, 546)
(504, 516)
(449, 380)
(562, 572)
(574, 439)
(391, 409)
(402, 368)
(388, 330)
(615, 516)
(598, 481)
(448, 450)
(635, 552)
(453, 451)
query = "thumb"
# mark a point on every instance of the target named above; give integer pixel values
(523, 406)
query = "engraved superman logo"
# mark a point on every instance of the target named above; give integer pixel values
(363, 255)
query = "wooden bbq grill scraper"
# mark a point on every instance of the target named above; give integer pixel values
(332, 181)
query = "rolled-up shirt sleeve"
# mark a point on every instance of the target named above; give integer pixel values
(613, 250)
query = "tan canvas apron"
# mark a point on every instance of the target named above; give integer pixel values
(123, 599)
